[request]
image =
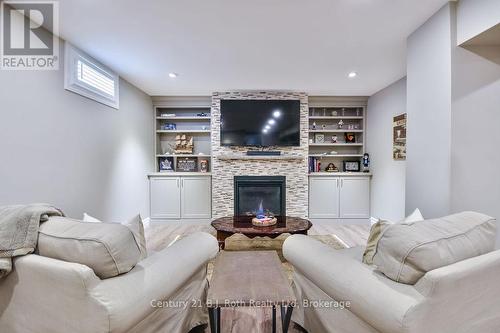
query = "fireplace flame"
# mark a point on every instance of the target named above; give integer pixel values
(260, 212)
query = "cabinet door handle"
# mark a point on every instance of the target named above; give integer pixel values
(177, 182)
(182, 182)
(337, 181)
(341, 183)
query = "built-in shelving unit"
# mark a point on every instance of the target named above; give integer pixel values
(329, 122)
(192, 120)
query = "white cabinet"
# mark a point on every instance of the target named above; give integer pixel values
(354, 198)
(165, 197)
(324, 197)
(196, 201)
(177, 198)
(343, 198)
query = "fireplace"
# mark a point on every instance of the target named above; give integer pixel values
(254, 195)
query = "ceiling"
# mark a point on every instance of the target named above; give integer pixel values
(219, 45)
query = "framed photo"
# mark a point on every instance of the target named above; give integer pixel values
(351, 166)
(399, 137)
(319, 138)
(350, 137)
(186, 164)
(166, 164)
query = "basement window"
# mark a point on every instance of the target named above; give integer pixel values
(88, 77)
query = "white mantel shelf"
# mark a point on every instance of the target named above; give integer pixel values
(259, 157)
(340, 174)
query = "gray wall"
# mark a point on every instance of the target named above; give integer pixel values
(388, 181)
(429, 115)
(77, 154)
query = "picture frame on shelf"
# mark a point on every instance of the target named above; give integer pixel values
(350, 137)
(187, 164)
(165, 164)
(319, 138)
(351, 166)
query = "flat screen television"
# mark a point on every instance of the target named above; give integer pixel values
(260, 123)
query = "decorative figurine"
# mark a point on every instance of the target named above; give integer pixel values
(314, 125)
(202, 114)
(340, 123)
(334, 139)
(184, 144)
(334, 113)
(331, 168)
(366, 162)
(323, 127)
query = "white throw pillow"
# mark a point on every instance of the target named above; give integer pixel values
(88, 218)
(414, 217)
(135, 225)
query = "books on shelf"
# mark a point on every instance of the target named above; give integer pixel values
(314, 164)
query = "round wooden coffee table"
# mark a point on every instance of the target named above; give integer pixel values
(230, 225)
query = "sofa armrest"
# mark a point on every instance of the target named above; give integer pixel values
(466, 293)
(129, 297)
(48, 295)
(342, 276)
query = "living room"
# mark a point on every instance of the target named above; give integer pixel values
(174, 166)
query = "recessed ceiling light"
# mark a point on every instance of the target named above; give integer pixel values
(276, 114)
(173, 75)
(271, 121)
(267, 127)
(352, 75)
(264, 131)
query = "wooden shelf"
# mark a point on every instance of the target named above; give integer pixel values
(182, 131)
(183, 118)
(335, 144)
(183, 155)
(335, 117)
(336, 131)
(336, 155)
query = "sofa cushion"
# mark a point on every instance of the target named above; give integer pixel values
(406, 251)
(107, 248)
(377, 230)
(135, 225)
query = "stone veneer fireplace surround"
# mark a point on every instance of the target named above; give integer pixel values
(294, 168)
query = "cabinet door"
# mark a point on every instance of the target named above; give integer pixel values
(165, 197)
(196, 197)
(355, 197)
(323, 197)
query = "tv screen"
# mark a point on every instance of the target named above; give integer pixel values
(261, 123)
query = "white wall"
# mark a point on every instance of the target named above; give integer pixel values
(475, 17)
(62, 148)
(475, 157)
(429, 115)
(388, 181)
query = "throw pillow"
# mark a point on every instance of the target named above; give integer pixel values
(135, 225)
(377, 230)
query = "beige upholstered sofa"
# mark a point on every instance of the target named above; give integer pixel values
(338, 293)
(42, 294)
